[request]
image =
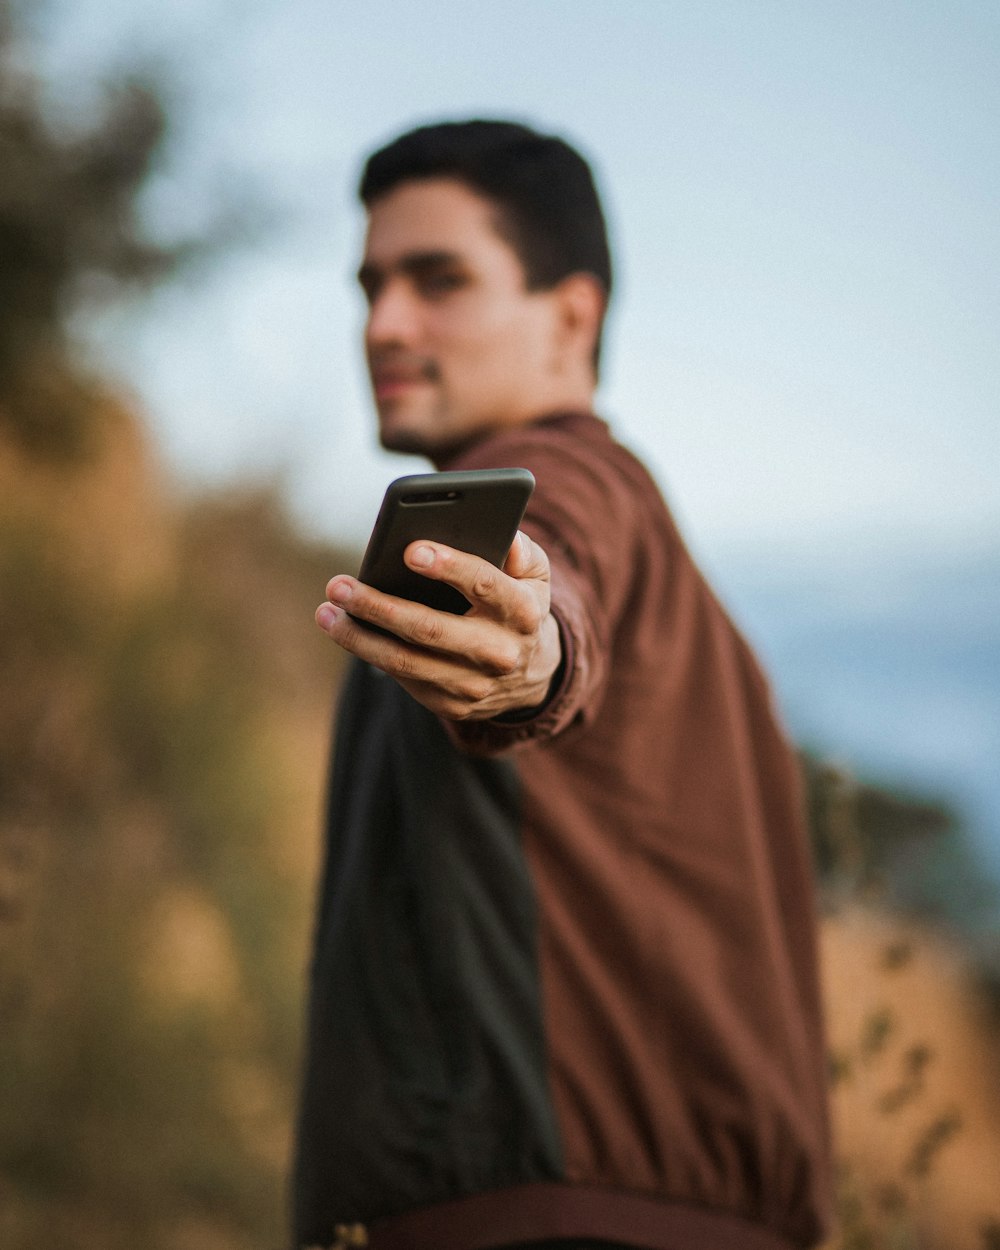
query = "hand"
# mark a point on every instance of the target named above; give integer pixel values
(499, 657)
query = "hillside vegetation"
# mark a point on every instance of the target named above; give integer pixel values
(165, 704)
(165, 708)
(164, 712)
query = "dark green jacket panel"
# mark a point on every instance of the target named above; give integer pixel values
(425, 1041)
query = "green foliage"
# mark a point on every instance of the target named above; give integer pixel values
(71, 236)
(891, 846)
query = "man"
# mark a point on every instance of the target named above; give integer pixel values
(564, 985)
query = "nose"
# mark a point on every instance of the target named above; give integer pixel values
(392, 316)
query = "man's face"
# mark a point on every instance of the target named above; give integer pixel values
(456, 344)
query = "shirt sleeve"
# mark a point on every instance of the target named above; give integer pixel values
(585, 517)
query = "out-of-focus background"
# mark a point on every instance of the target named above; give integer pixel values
(803, 201)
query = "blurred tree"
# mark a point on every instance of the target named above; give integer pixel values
(897, 848)
(161, 749)
(70, 234)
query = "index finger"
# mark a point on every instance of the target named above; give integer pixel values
(517, 595)
(482, 583)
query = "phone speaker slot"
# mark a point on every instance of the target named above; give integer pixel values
(416, 501)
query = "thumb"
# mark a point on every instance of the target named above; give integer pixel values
(526, 559)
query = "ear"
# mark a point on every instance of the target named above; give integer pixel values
(581, 301)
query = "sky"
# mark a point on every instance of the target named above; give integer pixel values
(803, 201)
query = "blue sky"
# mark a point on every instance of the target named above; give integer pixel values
(804, 205)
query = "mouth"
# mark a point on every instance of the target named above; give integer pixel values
(391, 379)
(392, 386)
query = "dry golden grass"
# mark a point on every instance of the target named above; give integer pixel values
(916, 1099)
(106, 516)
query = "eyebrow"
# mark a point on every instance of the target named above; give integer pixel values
(413, 263)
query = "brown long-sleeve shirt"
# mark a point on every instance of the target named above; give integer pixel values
(565, 974)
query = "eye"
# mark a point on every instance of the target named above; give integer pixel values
(441, 282)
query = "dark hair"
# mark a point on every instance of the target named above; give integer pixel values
(547, 205)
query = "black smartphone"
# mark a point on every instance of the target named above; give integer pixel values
(476, 511)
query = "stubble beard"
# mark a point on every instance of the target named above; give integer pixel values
(406, 439)
(407, 442)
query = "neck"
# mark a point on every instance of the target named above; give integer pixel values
(443, 457)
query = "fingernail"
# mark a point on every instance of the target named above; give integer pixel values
(422, 557)
(341, 591)
(326, 614)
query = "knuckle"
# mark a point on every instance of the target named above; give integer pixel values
(528, 616)
(401, 663)
(377, 610)
(456, 710)
(485, 582)
(525, 614)
(505, 660)
(474, 689)
(427, 630)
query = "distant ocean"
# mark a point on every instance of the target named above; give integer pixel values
(892, 671)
